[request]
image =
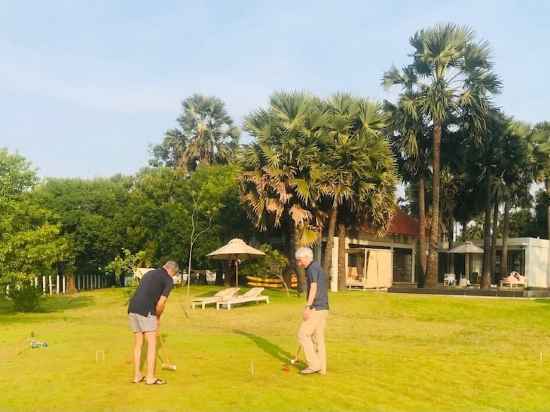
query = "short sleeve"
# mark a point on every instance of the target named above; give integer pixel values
(168, 284)
(314, 275)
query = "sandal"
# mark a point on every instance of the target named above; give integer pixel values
(156, 382)
(139, 380)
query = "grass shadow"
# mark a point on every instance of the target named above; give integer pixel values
(50, 304)
(268, 347)
(63, 303)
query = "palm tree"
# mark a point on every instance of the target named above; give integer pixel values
(359, 176)
(281, 174)
(540, 140)
(518, 174)
(411, 146)
(451, 71)
(502, 162)
(206, 135)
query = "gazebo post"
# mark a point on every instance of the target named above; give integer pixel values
(467, 266)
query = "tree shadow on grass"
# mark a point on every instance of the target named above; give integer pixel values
(63, 303)
(268, 347)
(48, 305)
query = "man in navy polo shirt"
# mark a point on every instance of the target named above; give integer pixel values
(144, 312)
(312, 330)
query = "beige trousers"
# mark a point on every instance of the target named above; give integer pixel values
(312, 338)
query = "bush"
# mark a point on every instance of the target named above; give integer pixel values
(26, 297)
(270, 265)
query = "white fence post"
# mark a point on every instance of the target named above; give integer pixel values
(43, 284)
(64, 284)
(57, 285)
(50, 284)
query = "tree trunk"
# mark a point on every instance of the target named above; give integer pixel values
(342, 257)
(547, 184)
(505, 230)
(451, 239)
(228, 274)
(494, 238)
(300, 273)
(71, 287)
(431, 276)
(327, 257)
(422, 228)
(486, 275)
(219, 276)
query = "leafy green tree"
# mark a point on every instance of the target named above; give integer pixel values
(126, 262)
(163, 204)
(30, 241)
(206, 135)
(91, 215)
(16, 175)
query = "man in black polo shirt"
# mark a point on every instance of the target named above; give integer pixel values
(144, 312)
(312, 330)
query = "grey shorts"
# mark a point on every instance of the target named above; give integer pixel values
(140, 323)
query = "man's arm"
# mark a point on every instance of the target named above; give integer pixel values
(161, 304)
(312, 293)
(310, 299)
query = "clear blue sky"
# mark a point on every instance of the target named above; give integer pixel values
(87, 86)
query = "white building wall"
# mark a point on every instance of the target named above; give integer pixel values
(537, 263)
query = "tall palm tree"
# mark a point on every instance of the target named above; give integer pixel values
(206, 135)
(359, 177)
(411, 146)
(281, 174)
(518, 174)
(451, 71)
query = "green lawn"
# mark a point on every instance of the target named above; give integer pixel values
(386, 353)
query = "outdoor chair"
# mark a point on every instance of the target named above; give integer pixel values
(222, 294)
(449, 279)
(514, 279)
(253, 295)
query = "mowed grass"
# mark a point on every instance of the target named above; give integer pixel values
(386, 353)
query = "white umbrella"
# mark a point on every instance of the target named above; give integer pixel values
(236, 250)
(467, 248)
